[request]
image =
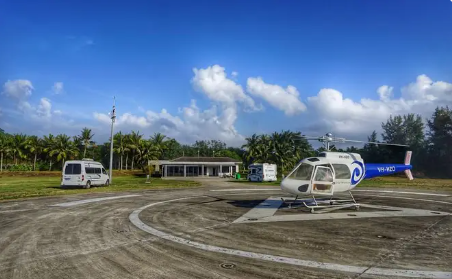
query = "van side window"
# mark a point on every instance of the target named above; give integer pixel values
(97, 170)
(104, 171)
(342, 171)
(73, 169)
(89, 170)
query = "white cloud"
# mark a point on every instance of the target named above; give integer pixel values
(425, 89)
(57, 88)
(329, 110)
(334, 112)
(44, 108)
(234, 74)
(190, 125)
(102, 117)
(213, 83)
(385, 92)
(283, 99)
(35, 117)
(18, 89)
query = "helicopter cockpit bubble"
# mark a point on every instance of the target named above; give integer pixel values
(302, 181)
(299, 179)
(303, 172)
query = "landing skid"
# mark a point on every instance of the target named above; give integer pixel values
(331, 204)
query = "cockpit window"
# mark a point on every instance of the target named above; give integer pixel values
(324, 174)
(342, 171)
(303, 172)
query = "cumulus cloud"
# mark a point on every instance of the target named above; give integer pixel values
(57, 88)
(19, 89)
(334, 112)
(283, 99)
(37, 117)
(328, 111)
(385, 92)
(213, 82)
(425, 89)
(189, 125)
(44, 108)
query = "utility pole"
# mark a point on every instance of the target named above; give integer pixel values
(113, 117)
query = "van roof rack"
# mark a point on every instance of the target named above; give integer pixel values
(87, 159)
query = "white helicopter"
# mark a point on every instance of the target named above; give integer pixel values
(336, 172)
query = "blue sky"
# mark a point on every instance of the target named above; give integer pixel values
(144, 53)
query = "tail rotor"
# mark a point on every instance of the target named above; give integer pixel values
(407, 162)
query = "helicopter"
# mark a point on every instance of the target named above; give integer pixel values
(336, 172)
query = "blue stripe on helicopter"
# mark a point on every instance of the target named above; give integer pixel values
(375, 170)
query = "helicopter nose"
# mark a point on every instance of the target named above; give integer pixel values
(289, 186)
(295, 186)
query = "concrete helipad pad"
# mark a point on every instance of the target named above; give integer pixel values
(197, 233)
(384, 238)
(265, 212)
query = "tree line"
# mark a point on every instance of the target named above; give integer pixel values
(430, 141)
(20, 152)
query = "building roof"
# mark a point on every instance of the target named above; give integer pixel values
(206, 160)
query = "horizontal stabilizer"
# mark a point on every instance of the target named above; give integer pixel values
(408, 174)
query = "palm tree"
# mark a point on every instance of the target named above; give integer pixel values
(63, 148)
(159, 142)
(49, 142)
(127, 149)
(35, 146)
(17, 146)
(134, 144)
(94, 146)
(284, 149)
(120, 146)
(147, 151)
(251, 147)
(78, 142)
(5, 142)
(86, 137)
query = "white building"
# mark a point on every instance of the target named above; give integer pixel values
(197, 166)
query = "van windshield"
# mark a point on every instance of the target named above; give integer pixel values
(303, 172)
(73, 169)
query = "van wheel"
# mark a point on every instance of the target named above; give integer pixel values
(107, 182)
(88, 185)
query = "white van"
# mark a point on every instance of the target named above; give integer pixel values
(85, 172)
(262, 172)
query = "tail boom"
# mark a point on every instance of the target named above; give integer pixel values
(375, 170)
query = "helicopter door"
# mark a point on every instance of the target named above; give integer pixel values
(322, 181)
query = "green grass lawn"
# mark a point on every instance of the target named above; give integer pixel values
(384, 182)
(16, 187)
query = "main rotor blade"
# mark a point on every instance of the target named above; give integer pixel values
(380, 143)
(309, 137)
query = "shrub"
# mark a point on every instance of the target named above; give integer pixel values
(21, 167)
